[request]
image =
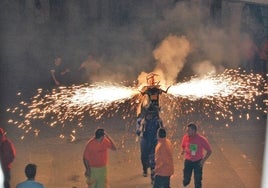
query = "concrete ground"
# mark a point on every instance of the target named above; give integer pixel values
(236, 161)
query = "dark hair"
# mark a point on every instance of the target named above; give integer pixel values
(162, 132)
(30, 171)
(99, 133)
(192, 126)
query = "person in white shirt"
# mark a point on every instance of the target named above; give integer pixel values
(30, 172)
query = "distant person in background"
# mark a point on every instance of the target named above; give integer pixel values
(59, 73)
(95, 159)
(193, 145)
(264, 56)
(30, 172)
(164, 167)
(7, 156)
(89, 70)
(249, 53)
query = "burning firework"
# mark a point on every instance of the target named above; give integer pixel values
(215, 96)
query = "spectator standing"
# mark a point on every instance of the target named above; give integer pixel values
(30, 172)
(164, 167)
(193, 146)
(89, 70)
(264, 57)
(249, 53)
(7, 156)
(59, 73)
(95, 159)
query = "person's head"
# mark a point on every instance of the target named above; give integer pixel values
(161, 133)
(99, 133)
(90, 56)
(30, 171)
(151, 79)
(191, 129)
(2, 134)
(57, 61)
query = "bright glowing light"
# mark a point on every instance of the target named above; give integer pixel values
(229, 84)
(100, 95)
(203, 88)
(213, 96)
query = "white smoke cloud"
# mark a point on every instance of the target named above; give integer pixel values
(170, 57)
(161, 36)
(204, 68)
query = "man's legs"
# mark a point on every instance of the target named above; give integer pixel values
(6, 178)
(162, 182)
(144, 156)
(187, 172)
(198, 171)
(152, 160)
(98, 178)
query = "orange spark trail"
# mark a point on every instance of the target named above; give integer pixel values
(214, 96)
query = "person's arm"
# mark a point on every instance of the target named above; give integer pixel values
(111, 140)
(202, 162)
(67, 70)
(182, 153)
(52, 72)
(208, 149)
(87, 173)
(10, 153)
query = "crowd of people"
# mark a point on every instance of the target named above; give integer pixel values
(156, 148)
(95, 159)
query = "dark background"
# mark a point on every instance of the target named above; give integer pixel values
(122, 35)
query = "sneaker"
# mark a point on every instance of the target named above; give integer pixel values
(144, 174)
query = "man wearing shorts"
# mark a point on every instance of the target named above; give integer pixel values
(96, 157)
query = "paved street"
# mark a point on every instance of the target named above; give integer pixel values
(236, 161)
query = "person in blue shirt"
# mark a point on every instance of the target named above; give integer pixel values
(30, 172)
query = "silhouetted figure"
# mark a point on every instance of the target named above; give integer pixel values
(59, 74)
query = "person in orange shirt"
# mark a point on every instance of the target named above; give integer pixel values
(95, 159)
(164, 167)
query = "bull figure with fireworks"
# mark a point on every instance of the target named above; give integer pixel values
(148, 122)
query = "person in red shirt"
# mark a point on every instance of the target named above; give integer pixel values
(95, 159)
(193, 146)
(7, 156)
(164, 167)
